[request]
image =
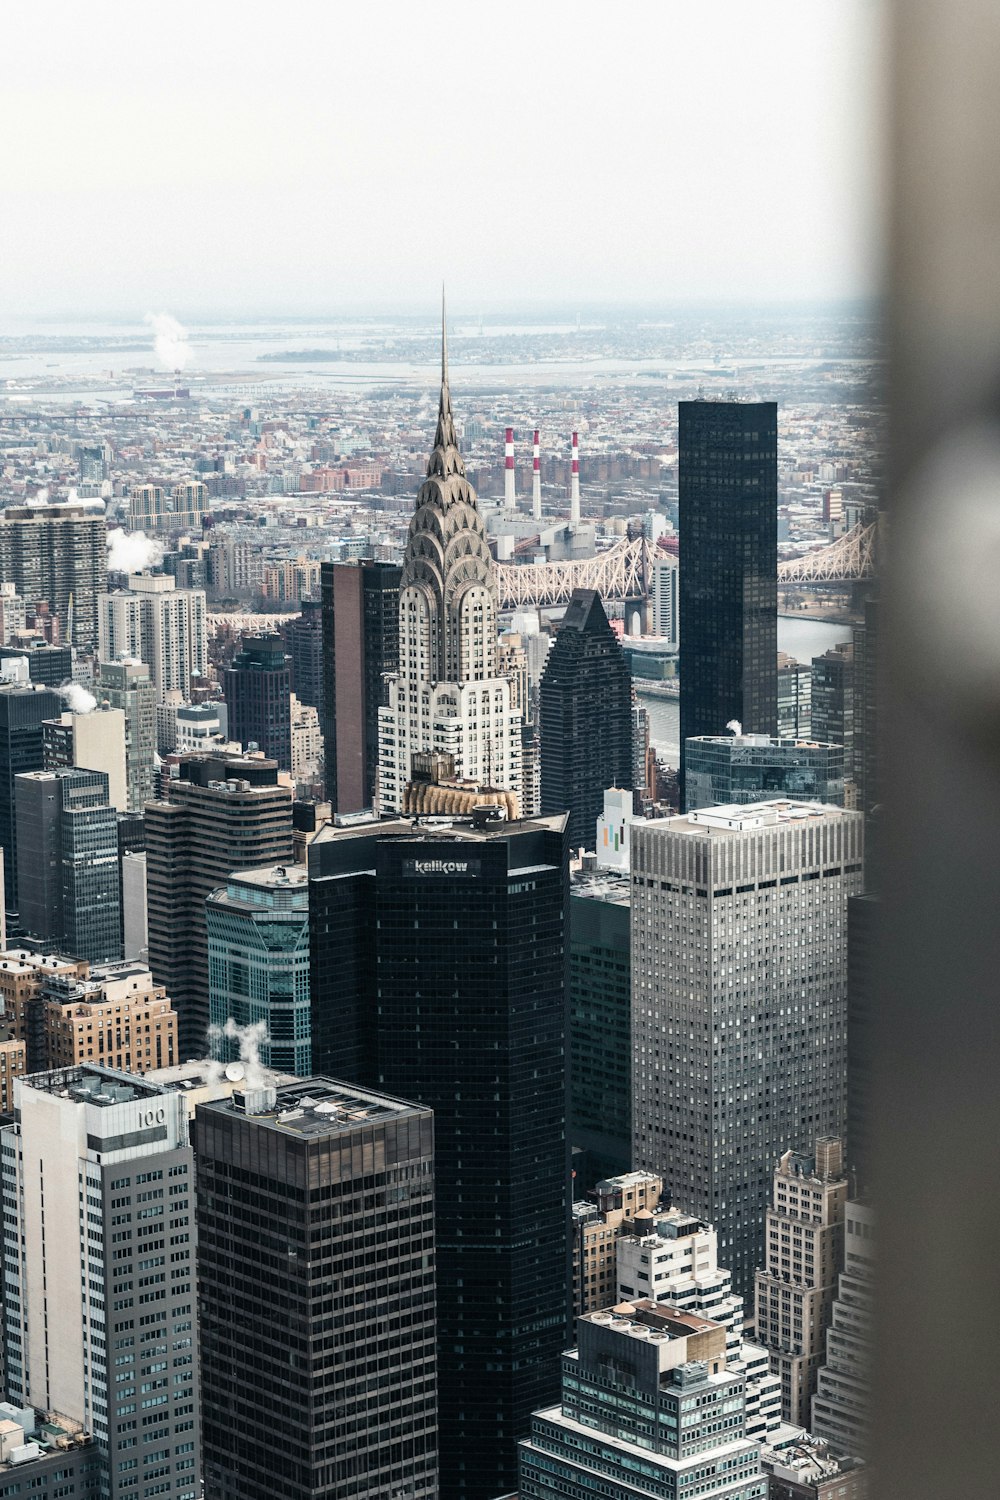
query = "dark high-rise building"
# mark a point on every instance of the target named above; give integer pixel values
(69, 888)
(22, 711)
(585, 718)
(316, 1294)
(600, 1027)
(49, 665)
(304, 639)
(466, 998)
(220, 815)
(833, 700)
(728, 525)
(55, 554)
(257, 688)
(360, 605)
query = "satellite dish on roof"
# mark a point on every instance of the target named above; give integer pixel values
(235, 1071)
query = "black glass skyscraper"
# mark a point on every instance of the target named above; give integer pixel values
(22, 710)
(728, 524)
(257, 688)
(466, 1003)
(585, 718)
(316, 1290)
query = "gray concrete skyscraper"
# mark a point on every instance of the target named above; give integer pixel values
(739, 1002)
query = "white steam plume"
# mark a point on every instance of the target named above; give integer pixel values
(736, 727)
(170, 341)
(78, 700)
(249, 1039)
(131, 551)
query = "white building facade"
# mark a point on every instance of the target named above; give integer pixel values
(156, 622)
(448, 695)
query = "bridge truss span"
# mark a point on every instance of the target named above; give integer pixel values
(849, 558)
(623, 572)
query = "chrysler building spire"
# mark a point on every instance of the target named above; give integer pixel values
(448, 696)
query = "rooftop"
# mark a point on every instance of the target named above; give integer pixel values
(311, 1107)
(742, 817)
(93, 1085)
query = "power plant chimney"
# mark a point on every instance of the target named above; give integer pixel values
(509, 498)
(574, 491)
(536, 479)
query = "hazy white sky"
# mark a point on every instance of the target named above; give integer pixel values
(228, 155)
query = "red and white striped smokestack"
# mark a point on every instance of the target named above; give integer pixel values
(574, 482)
(536, 478)
(509, 498)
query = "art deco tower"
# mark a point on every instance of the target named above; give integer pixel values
(448, 697)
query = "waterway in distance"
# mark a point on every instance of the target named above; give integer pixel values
(800, 638)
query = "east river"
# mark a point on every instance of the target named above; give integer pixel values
(800, 638)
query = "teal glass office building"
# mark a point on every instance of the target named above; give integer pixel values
(258, 963)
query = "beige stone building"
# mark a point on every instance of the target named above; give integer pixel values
(804, 1255)
(67, 1014)
(621, 1204)
(12, 1065)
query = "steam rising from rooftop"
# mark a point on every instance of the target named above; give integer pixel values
(249, 1039)
(132, 551)
(170, 341)
(77, 698)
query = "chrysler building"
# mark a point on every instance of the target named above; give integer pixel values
(448, 696)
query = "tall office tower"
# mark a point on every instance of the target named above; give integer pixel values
(23, 709)
(864, 919)
(597, 1223)
(349, 1395)
(668, 1256)
(804, 1255)
(728, 530)
(55, 553)
(471, 1000)
(794, 698)
(586, 717)
(664, 599)
(723, 769)
(67, 842)
(128, 686)
(833, 700)
(842, 1403)
(49, 665)
(304, 643)
(190, 501)
(739, 1002)
(600, 1026)
(90, 741)
(99, 1271)
(220, 815)
(447, 695)
(646, 1392)
(640, 750)
(147, 507)
(92, 465)
(438, 958)
(257, 688)
(156, 622)
(258, 962)
(360, 607)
